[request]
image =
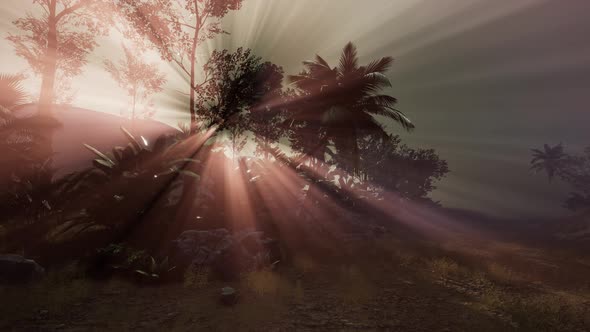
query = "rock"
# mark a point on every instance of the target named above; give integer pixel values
(227, 254)
(229, 295)
(17, 269)
(192, 243)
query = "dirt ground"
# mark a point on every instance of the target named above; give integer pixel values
(393, 289)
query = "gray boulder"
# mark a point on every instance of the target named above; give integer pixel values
(201, 245)
(17, 269)
(227, 254)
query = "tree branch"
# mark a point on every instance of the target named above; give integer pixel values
(69, 10)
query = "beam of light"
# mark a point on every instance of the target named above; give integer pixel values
(478, 78)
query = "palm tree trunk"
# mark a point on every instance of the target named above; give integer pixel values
(355, 152)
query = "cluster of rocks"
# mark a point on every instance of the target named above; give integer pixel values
(227, 254)
(17, 269)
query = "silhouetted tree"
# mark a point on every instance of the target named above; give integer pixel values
(139, 78)
(269, 121)
(394, 166)
(176, 28)
(550, 159)
(345, 98)
(59, 39)
(240, 89)
(237, 82)
(572, 169)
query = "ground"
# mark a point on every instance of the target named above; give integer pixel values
(389, 287)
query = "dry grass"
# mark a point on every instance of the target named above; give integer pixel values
(197, 277)
(500, 290)
(305, 264)
(540, 311)
(266, 282)
(353, 286)
(503, 273)
(444, 267)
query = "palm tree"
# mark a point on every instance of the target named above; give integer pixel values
(345, 98)
(12, 93)
(17, 138)
(550, 159)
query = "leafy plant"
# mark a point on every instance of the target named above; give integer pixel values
(156, 269)
(12, 93)
(119, 256)
(36, 193)
(139, 157)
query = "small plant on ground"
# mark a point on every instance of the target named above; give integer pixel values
(155, 270)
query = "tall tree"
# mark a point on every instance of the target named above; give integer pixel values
(571, 169)
(59, 38)
(237, 81)
(139, 78)
(550, 160)
(344, 99)
(240, 92)
(176, 28)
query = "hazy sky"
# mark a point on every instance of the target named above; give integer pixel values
(484, 81)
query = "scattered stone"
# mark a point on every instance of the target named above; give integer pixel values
(229, 295)
(17, 269)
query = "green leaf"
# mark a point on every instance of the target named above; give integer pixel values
(104, 163)
(379, 78)
(154, 265)
(142, 273)
(187, 160)
(189, 173)
(132, 139)
(100, 154)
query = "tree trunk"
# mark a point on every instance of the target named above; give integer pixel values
(49, 64)
(185, 207)
(133, 105)
(193, 58)
(355, 152)
(193, 124)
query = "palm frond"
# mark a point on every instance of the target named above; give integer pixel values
(381, 100)
(378, 79)
(321, 61)
(379, 66)
(12, 93)
(134, 143)
(100, 154)
(393, 114)
(348, 59)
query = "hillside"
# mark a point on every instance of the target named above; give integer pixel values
(98, 129)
